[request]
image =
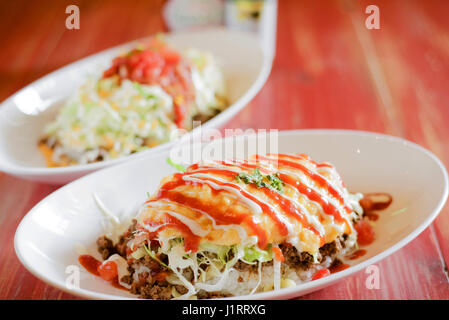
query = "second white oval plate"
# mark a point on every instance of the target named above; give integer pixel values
(24, 115)
(46, 238)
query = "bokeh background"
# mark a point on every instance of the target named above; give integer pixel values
(329, 72)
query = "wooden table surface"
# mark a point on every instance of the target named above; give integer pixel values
(329, 72)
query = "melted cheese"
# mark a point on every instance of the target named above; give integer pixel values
(213, 206)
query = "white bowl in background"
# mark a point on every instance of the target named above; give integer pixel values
(46, 238)
(24, 115)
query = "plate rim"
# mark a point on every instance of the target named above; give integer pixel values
(279, 294)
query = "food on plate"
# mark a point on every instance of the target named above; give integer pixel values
(141, 101)
(237, 227)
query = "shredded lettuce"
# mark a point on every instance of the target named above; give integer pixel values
(210, 265)
(222, 252)
(112, 118)
(254, 253)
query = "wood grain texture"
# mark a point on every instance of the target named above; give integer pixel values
(329, 72)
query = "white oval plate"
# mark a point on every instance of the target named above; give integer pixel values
(23, 115)
(46, 238)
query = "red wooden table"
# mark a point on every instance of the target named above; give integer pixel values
(329, 72)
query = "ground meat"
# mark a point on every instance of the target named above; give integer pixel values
(143, 280)
(181, 289)
(329, 249)
(153, 265)
(203, 118)
(304, 260)
(156, 292)
(146, 286)
(211, 295)
(122, 243)
(335, 263)
(332, 248)
(105, 247)
(242, 266)
(294, 259)
(127, 279)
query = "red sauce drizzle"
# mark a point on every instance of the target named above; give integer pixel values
(191, 240)
(167, 192)
(304, 157)
(242, 164)
(287, 206)
(246, 165)
(89, 263)
(318, 179)
(328, 208)
(117, 285)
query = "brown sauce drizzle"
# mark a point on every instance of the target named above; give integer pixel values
(357, 254)
(376, 201)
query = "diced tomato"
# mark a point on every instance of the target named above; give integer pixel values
(365, 233)
(180, 114)
(278, 254)
(158, 64)
(108, 270)
(321, 274)
(170, 56)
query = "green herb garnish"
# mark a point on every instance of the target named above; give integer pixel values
(271, 181)
(177, 166)
(153, 256)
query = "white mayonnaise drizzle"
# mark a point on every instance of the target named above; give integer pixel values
(311, 219)
(327, 197)
(311, 184)
(240, 230)
(198, 178)
(193, 225)
(276, 274)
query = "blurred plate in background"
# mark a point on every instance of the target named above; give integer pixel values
(24, 115)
